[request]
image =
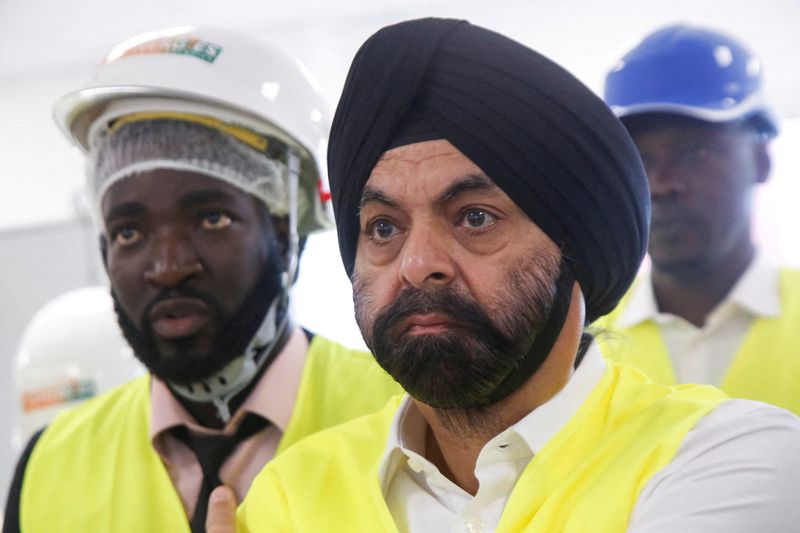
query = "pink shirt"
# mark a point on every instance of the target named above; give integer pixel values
(272, 398)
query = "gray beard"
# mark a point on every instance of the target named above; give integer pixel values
(470, 423)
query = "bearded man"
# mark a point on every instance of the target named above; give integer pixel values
(489, 206)
(205, 189)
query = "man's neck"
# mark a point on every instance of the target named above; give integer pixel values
(450, 454)
(454, 438)
(692, 296)
(206, 414)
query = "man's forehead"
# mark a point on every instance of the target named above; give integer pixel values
(439, 186)
(652, 123)
(421, 150)
(438, 153)
(427, 163)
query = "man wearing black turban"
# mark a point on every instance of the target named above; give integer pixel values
(489, 206)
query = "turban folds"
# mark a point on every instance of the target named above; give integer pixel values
(542, 136)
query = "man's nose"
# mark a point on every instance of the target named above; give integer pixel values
(665, 180)
(173, 260)
(426, 259)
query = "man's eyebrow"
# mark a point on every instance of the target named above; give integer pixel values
(371, 194)
(471, 182)
(194, 198)
(127, 209)
(190, 199)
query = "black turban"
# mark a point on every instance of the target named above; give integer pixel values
(541, 135)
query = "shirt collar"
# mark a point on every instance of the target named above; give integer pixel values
(757, 291)
(641, 305)
(407, 432)
(272, 397)
(542, 424)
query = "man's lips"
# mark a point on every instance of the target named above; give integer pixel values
(671, 219)
(671, 227)
(179, 317)
(427, 323)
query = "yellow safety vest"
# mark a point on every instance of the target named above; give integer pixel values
(766, 367)
(587, 478)
(94, 468)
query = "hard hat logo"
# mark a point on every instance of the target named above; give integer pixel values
(183, 45)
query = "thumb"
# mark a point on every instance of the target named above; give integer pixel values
(221, 511)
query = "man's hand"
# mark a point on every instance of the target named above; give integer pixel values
(221, 511)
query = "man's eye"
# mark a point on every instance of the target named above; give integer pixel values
(381, 229)
(698, 154)
(693, 152)
(216, 221)
(475, 218)
(127, 236)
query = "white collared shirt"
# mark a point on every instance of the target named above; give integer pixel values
(716, 452)
(704, 354)
(411, 482)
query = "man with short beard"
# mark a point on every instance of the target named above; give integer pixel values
(714, 308)
(489, 206)
(205, 188)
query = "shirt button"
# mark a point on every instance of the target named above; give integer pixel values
(475, 526)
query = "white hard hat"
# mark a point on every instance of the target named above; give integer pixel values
(71, 350)
(215, 73)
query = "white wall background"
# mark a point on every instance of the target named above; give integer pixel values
(47, 47)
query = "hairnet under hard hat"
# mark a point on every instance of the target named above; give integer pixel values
(187, 144)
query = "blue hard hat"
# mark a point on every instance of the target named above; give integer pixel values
(691, 71)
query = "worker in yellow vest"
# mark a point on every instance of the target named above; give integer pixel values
(712, 308)
(488, 207)
(205, 164)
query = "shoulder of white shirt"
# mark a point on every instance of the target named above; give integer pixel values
(757, 291)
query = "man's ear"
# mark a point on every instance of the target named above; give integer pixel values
(280, 226)
(763, 162)
(104, 250)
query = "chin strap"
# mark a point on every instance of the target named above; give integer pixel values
(223, 385)
(293, 254)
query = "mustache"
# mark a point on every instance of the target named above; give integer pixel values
(445, 300)
(449, 369)
(179, 291)
(669, 213)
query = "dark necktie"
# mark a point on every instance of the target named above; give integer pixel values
(211, 452)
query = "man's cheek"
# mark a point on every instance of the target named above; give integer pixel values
(365, 307)
(363, 314)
